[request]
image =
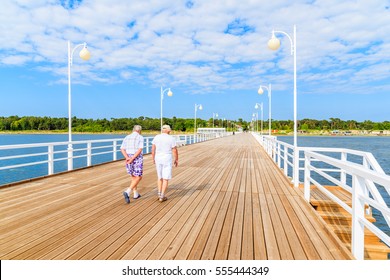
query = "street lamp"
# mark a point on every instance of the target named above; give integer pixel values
(214, 116)
(170, 93)
(197, 106)
(274, 44)
(253, 123)
(85, 55)
(255, 116)
(261, 91)
(257, 106)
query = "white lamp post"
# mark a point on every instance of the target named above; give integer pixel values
(257, 106)
(255, 116)
(261, 91)
(197, 106)
(274, 44)
(214, 116)
(170, 93)
(253, 123)
(85, 55)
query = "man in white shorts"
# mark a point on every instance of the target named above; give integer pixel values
(163, 148)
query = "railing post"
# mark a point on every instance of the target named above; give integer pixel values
(278, 152)
(357, 244)
(70, 157)
(366, 165)
(50, 160)
(147, 145)
(285, 164)
(343, 174)
(89, 153)
(296, 167)
(307, 178)
(114, 156)
(273, 149)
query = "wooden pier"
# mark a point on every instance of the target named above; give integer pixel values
(227, 200)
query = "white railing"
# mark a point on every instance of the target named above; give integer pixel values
(282, 153)
(363, 192)
(355, 171)
(58, 158)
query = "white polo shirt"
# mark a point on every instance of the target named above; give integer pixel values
(164, 144)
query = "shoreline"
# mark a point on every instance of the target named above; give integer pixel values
(119, 132)
(152, 132)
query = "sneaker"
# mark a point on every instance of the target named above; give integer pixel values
(162, 199)
(137, 196)
(127, 198)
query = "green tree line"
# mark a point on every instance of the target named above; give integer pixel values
(27, 123)
(15, 123)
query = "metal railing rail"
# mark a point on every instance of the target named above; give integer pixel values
(48, 153)
(360, 177)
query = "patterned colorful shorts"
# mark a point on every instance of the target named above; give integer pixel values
(136, 167)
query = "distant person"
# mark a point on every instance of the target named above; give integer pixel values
(163, 151)
(131, 149)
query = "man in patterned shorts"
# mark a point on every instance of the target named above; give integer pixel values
(131, 149)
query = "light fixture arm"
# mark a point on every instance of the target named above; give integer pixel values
(74, 49)
(267, 88)
(163, 91)
(198, 106)
(289, 37)
(259, 105)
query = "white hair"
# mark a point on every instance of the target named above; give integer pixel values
(137, 128)
(166, 127)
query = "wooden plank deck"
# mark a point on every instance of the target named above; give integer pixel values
(227, 200)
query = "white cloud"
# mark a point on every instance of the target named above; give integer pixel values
(209, 45)
(15, 59)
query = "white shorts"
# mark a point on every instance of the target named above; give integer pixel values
(164, 170)
(164, 166)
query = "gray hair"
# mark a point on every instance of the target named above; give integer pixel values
(166, 127)
(137, 128)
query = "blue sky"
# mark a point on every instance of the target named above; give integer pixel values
(212, 53)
